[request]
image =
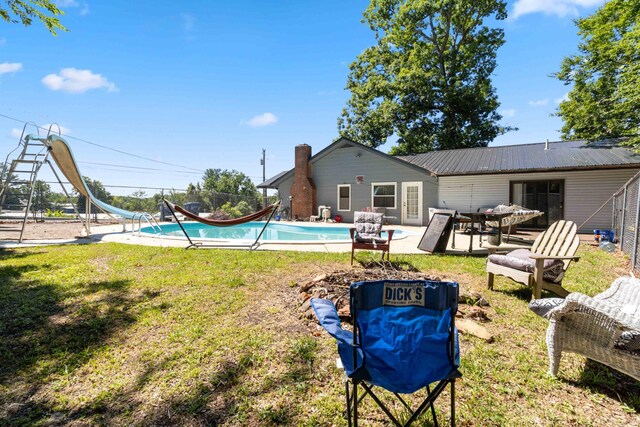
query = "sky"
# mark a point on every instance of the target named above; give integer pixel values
(150, 94)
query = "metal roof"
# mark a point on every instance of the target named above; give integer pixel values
(566, 155)
(270, 182)
(341, 142)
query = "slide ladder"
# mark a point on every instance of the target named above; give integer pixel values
(19, 176)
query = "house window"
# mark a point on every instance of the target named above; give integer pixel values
(383, 195)
(344, 197)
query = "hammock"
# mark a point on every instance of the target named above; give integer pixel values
(518, 215)
(269, 210)
(224, 222)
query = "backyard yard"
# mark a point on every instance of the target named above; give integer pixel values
(121, 335)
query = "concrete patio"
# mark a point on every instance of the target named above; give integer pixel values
(405, 245)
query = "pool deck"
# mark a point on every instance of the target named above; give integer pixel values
(403, 245)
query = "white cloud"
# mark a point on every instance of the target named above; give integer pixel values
(73, 80)
(539, 102)
(54, 129)
(67, 3)
(510, 112)
(564, 97)
(560, 8)
(17, 133)
(10, 67)
(265, 119)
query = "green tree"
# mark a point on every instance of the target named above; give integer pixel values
(14, 11)
(42, 196)
(219, 186)
(98, 191)
(605, 75)
(427, 79)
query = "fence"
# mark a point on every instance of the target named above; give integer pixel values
(626, 219)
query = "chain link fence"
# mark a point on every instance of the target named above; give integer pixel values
(626, 219)
(217, 200)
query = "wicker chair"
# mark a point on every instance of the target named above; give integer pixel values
(605, 328)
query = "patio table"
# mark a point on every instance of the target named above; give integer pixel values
(479, 218)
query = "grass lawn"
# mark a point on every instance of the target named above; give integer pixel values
(121, 335)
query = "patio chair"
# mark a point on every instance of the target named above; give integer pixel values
(605, 328)
(542, 267)
(367, 234)
(404, 340)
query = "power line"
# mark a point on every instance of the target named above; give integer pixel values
(139, 168)
(123, 186)
(108, 148)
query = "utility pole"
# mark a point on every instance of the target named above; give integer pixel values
(263, 162)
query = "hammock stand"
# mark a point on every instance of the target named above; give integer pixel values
(269, 210)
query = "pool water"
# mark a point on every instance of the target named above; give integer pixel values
(274, 232)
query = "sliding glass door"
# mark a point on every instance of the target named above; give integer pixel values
(544, 196)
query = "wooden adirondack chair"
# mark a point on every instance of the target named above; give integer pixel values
(543, 266)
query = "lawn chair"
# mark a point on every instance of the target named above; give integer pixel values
(604, 328)
(542, 267)
(404, 339)
(367, 233)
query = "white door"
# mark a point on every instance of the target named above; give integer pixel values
(412, 203)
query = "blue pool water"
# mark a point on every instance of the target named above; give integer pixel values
(275, 232)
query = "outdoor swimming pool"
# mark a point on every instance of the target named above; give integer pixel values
(275, 232)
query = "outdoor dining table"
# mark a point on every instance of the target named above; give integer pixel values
(478, 218)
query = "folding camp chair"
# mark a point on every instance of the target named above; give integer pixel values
(404, 340)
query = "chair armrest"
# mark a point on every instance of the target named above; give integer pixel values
(352, 233)
(389, 235)
(328, 317)
(592, 314)
(624, 289)
(543, 257)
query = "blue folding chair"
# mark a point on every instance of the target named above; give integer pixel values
(404, 339)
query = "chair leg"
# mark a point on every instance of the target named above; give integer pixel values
(355, 404)
(490, 277)
(453, 403)
(346, 386)
(352, 251)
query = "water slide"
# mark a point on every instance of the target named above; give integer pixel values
(61, 153)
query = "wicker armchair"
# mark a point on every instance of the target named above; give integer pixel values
(605, 328)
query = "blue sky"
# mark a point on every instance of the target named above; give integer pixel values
(201, 84)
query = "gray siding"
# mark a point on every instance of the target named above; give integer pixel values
(584, 192)
(342, 165)
(284, 191)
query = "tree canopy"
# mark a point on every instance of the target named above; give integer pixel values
(605, 74)
(427, 79)
(14, 11)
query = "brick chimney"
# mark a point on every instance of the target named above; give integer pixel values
(303, 190)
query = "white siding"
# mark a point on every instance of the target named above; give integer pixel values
(584, 192)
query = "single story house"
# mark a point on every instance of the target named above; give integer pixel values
(565, 180)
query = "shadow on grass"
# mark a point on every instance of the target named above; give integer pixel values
(227, 396)
(523, 293)
(45, 334)
(610, 382)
